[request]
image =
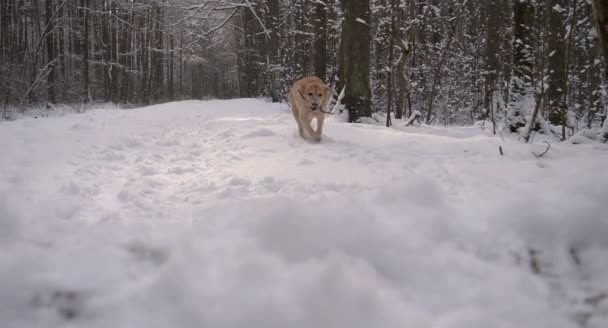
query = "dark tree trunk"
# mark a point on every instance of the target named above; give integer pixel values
(557, 82)
(356, 58)
(273, 48)
(402, 82)
(600, 13)
(114, 68)
(391, 50)
(522, 91)
(320, 40)
(170, 63)
(84, 4)
(50, 48)
(492, 55)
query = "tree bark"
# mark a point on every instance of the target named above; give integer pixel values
(84, 4)
(557, 82)
(356, 58)
(320, 40)
(401, 79)
(391, 50)
(170, 63)
(522, 91)
(273, 51)
(600, 14)
(50, 48)
(492, 55)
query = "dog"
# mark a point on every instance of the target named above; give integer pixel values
(308, 98)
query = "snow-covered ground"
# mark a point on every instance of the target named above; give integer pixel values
(215, 214)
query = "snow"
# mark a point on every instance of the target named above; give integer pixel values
(216, 214)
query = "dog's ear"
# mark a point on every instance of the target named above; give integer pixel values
(300, 88)
(327, 89)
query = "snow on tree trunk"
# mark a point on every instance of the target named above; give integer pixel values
(522, 91)
(604, 132)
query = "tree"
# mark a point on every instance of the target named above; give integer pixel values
(557, 82)
(600, 13)
(522, 91)
(84, 44)
(356, 58)
(492, 55)
(321, 40)
(50, 46)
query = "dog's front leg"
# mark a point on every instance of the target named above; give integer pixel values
(305, 122)
(319, 133)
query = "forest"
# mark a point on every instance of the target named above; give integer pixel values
(449, 62)
(159, 166)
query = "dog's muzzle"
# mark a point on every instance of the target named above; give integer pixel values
(314, 107)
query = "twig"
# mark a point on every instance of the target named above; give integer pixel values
(546, 150)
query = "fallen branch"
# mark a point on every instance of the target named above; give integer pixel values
(414, 117)
(546, 150)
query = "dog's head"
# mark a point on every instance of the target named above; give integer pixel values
(315, 94)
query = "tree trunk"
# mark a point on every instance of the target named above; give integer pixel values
(181, 65)
(557, 82)
(50, 48)
(402, 82)
(170, 63)
(85, 50)
(273, 49)
(114, 68)
(492, 55)
(391, 50)
(600, 13)
(320, 40)
(356, 58)
(522, 91)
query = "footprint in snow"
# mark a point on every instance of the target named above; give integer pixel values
(297, 140)
(239, 182)
(147, 253)
(168, 142)
(271, 185)
(147, 170)
(68, 303)
(305, 162)
(111, 156)
(117, 147)
(180, 170)
(125, 196)
(132, 142)
(262, 132)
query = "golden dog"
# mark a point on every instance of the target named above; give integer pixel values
(308, 98)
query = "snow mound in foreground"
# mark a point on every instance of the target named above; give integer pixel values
(357, 260)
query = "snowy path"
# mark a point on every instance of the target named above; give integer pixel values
(214, 214)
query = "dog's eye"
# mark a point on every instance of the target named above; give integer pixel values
(319, 95)
(310, 94)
